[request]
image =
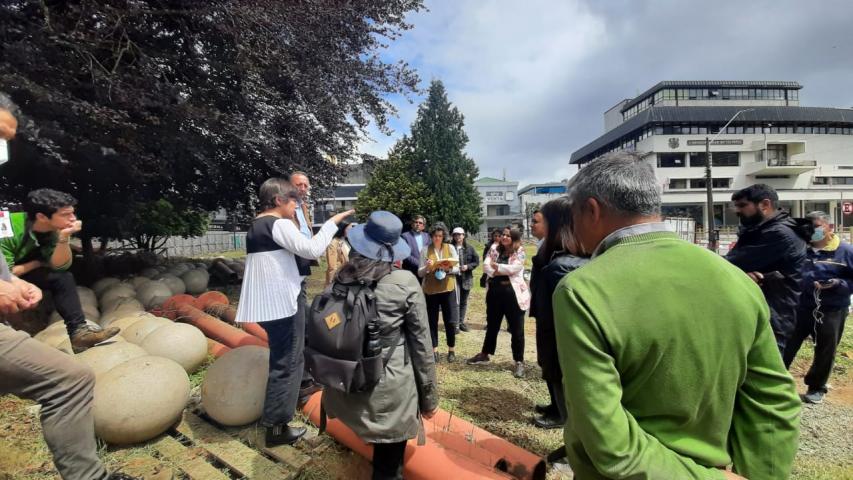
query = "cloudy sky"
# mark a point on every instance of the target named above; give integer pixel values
(534, 78)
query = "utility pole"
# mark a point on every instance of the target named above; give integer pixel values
(709, 202)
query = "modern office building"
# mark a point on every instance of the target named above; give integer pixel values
(533, 196)
(805, 153)
(499, 204)
(344, 194)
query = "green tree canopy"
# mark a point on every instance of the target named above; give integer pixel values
(392, 187)
(433, 161)
(191, 101)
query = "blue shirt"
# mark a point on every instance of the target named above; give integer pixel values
(303, 222)
(419, 239)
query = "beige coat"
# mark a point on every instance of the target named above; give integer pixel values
(337, 255)
(390, 412)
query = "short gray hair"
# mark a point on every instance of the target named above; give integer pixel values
(621, 181)
(819, 215)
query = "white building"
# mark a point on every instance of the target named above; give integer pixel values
(499, 203)
(533, 196)
(805, 153)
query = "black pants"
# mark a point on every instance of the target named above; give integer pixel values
(62, 286)
(287, 341)
(827, 335)
(501, 302)
(447, 303)
(302, 310)
(388, 460)
(462, 296)
(558, 398)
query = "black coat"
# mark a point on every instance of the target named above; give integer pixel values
(467, 257)
(776, 245)
(543, 282)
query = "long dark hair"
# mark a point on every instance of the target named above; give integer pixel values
(515, 235)
(557, 214)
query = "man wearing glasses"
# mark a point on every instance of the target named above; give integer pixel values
(417, 239)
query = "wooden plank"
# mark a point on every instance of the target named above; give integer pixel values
(287, 454)
(230, 451)
(192, 463)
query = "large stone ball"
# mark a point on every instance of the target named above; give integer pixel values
(91, 312)
(150, 272)
(196, 281)
(137, 332)
(138, 281)
(103, 358)
(123, 320)
(120, 290)
(153, 294)
(103, 284)
(180, 342)
(87, 295)
(139, 399)
(175, 284)
(129, 304)
(234, 387)
(179, 269)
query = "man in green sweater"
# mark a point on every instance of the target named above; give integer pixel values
(670, 367)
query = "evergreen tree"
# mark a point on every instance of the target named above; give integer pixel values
(392, 187)
(436, 156)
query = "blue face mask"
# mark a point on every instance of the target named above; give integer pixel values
(440, 274)
(818, 234)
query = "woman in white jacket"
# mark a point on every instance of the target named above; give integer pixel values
(271, 285)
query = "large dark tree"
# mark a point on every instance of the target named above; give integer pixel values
(126, 102)
(436, 149)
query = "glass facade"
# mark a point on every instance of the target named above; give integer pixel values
(675, 94)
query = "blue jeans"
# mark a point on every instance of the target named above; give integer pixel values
(287, 341)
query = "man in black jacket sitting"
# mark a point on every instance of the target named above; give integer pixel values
(771, 249)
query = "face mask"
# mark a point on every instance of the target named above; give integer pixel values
(818, 235)
(440, 274)
(4, 151)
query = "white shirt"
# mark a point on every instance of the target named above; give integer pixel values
(271, 282)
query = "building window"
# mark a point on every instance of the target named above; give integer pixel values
(777, 154)
(821, 180)
(670, 160)
(677, 183)
(721, 159)
(841, 180)
(715, 183)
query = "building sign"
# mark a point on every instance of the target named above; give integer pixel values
(494, 196)
(847, 208)
(716, 142)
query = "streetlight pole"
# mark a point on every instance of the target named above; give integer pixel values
(709, 187)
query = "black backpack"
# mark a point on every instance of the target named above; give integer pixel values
(344, 350)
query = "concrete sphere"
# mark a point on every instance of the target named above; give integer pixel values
(153, 294)
(137, 332)
(91, 312)
(196, 281)
(175, 284)
(180, 342)
(179, 269)
(121, 304)
(104, 357)
(120, 290)
(138, 281)
(150, 272)
(123, 320)
(139, 399)
(234, 387)
(87, 295)
(65, 346)
(103, 284)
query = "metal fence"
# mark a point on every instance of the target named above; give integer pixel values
(211, 242)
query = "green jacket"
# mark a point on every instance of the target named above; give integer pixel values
(670, 367)
(25, 245)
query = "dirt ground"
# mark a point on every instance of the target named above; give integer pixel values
(489, 396)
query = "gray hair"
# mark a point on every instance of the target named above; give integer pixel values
(819, 215)
(6, 103)
(621, 181)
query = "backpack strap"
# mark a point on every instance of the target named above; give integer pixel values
(556, 455)
(323, 416)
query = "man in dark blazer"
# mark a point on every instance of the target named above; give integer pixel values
(417, 239)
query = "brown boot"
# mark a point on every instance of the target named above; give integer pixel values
(88, 336)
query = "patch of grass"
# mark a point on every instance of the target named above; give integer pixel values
(806, 468)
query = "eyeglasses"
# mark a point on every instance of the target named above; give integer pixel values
(418, 222)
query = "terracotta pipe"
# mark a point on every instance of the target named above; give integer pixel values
(425, 462)
(221, 270)
(217, 304)
(216, 349)
(256, 330)
(180, 307)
